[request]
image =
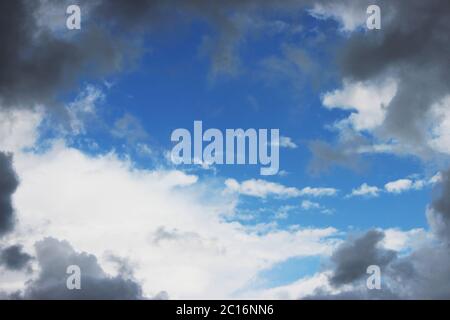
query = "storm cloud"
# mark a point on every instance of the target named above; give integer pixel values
(13, 257)
(353, 257)
(8, 185)
(39, 63)
(439, 213)
(55, 256)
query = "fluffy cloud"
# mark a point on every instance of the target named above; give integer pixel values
(172, 227)
(402, 185)
(367, 102)
(398, 186)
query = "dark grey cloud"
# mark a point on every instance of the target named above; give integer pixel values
(54, 256)
(41, 60)
(413, 46)
(13, 257)
(37, 63)
(8, 185)
(423, 273)
(353, 257)
(439, 215)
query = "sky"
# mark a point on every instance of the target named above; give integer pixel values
(87, 177)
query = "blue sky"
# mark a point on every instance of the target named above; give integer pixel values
(92, 154)
(172, 86)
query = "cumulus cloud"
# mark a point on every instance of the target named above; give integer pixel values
(402, 185)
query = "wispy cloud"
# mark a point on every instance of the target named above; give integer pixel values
(263, 189)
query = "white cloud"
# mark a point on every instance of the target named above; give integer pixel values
(18, 128)
(104, 205)
(399, 240)
(286, 142)
(403, 185)
(365, 190)
(295, 290)
(262, 189)
(397, 186)
(366, 101)
(439, 138)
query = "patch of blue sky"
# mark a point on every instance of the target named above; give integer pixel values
(171, 86)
